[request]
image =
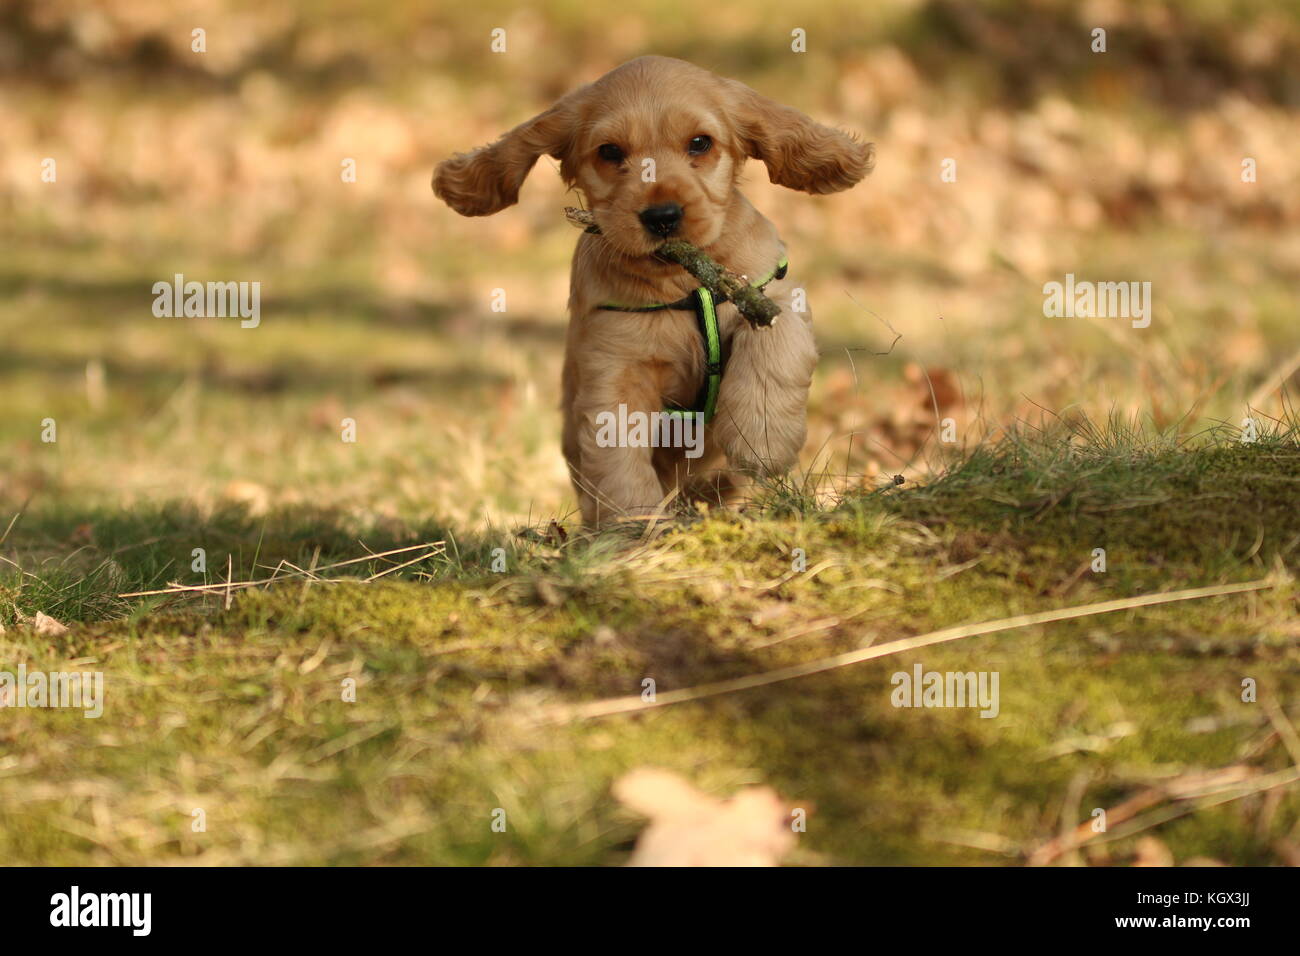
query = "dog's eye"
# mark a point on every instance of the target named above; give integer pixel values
(610, 153)
(699, 145)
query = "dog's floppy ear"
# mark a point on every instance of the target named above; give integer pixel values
(798, 152)
(487, 180)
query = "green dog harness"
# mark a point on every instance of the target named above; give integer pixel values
(702, 302)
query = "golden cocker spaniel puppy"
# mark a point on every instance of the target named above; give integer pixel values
(659, 386)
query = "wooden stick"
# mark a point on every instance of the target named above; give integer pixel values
(758, 309)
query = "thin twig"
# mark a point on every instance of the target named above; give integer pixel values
(1084, 834)
(1285, 729)
(379, 574)
(1274, 380)
(634, 703)
(4, 537)
(176, 588)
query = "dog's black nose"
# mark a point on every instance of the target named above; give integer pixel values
(663, 219)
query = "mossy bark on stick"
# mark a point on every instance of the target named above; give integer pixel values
(758, 309)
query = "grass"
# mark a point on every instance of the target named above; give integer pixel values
(238, 710)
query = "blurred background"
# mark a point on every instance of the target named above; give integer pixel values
(225, 166)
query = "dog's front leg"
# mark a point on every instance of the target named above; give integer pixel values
(762, 406)
(613, 424)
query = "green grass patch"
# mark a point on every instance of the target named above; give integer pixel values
(242, 712)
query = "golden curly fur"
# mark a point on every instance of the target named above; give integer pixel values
(661, 109)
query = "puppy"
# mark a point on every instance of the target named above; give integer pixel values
(656, 148)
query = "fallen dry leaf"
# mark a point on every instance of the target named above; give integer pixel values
(691, 828)
(47, 626)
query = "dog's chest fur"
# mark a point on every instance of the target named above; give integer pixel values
(664, 345)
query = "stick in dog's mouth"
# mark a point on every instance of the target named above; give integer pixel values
(758, 309)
